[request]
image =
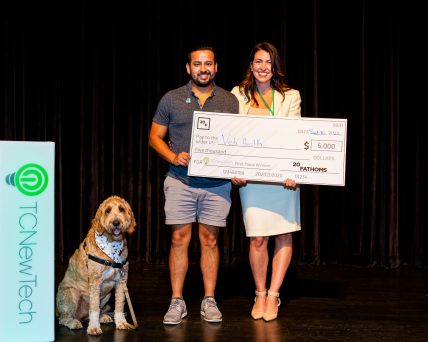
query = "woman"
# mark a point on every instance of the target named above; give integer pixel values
(268, 209)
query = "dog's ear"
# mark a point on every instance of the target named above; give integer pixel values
(132, 225)
(96, 221)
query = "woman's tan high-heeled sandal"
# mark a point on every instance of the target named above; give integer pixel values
(258, 314)
(268, 316)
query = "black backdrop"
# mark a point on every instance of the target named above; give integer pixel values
(88, 75)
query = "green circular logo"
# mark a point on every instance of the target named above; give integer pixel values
(31, 179)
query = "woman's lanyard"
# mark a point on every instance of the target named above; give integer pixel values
(272, 110)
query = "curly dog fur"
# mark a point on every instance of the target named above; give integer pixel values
(87, 284)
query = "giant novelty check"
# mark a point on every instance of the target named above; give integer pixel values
(270, 149)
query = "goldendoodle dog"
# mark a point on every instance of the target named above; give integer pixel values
(97, 267)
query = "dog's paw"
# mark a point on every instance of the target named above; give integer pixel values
(121, 323)
(94, 323)
(106, 319)
(71, 323)
(124, 325)
(93, 330)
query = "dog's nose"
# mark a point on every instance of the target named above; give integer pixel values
(116, 223)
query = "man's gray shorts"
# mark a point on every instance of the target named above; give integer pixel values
(185, 204)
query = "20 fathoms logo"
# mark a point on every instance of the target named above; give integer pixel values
(31, 179)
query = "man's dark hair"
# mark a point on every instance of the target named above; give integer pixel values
(200, 48)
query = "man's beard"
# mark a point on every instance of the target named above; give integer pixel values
(203, 85)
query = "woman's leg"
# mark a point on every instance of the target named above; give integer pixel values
(259, 260)
(280, 263)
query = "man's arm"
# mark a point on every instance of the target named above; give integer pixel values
(157, 142)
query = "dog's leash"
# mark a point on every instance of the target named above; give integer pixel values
(128, 300)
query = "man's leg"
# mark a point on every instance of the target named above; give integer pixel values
(178, 265)
(178, 257)
(210, 260)
(180, 212)
(210, 257)
(213, 208)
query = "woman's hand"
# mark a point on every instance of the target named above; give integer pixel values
(289, 184)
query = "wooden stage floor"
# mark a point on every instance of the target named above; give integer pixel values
(325, 303)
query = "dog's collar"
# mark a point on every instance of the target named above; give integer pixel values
(103, 261)
(107, 262)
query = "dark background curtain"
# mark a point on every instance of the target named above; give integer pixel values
(88, 75)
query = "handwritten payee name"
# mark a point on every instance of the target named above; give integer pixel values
(240, 141)
(227, 140)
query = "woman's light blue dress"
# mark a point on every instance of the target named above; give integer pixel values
(269, 208)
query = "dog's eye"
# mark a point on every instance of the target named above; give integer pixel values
(121, 209)
(108, 210)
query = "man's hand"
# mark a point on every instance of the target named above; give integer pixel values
(182, 159)
(238, 181)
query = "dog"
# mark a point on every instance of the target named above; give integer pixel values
(96, 267)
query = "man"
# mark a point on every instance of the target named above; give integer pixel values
(192, 199)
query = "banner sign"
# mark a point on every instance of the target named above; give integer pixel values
(27, 251)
